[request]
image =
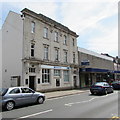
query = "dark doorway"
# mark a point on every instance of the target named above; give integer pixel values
(57, 82)
(32, 82)
(75, 81)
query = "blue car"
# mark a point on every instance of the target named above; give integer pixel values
(116, 85)
(17, 96)
(101, 88)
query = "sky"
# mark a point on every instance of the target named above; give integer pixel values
(95, 21)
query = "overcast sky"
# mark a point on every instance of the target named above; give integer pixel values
(95, 21)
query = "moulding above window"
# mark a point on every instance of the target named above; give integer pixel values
(46, 38)
(45, 45)
(33, 41)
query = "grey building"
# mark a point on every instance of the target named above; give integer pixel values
(38, 52)
(94, 67)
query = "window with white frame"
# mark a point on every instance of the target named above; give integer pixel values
(45, 75)
(65, 56)
(45, 32)
(56, 54)
(32, 27)
(46, 52)
(65, 40)
(56, 72)
(56, 36)
(32, 49)
(73, 57)
(66, 75)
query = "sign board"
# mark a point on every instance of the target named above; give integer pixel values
(85, 62)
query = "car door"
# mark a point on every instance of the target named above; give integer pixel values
(15, 95)
(108, 87)
(27, 95)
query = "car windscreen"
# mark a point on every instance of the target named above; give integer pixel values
(99, 84)
(3, 91)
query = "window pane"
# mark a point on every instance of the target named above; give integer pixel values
(33, 27)
(56, 36)
(65, 40)
(46, 32)
(45, 76)
(15, 91)
(66, 76)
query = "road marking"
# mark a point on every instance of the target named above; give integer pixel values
(70, 104)
(115, 118)
(27, 116)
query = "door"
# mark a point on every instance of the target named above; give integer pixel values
(32, 82)
(75, 81)
(57, 82)
(28, 95)
(16, 95)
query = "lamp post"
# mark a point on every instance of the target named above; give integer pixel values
(116, 61)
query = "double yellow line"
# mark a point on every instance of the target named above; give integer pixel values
(115, 118)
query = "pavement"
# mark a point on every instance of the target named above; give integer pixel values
(61, 93)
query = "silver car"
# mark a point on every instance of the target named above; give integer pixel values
(16, 96)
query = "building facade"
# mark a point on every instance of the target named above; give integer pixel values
(46, 58)
(94, 67)
(12, 34)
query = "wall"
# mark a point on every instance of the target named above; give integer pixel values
(12, 34)
(38, 59)
(40, 40)
(96, 60)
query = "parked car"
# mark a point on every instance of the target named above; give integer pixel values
(116, 85)
(101, 88)
(17, 96)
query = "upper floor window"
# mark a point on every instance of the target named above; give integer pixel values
(65, 40)
(65, 56)
(32, 27)
(45, 32)
(46, 52)
(56, 36)
(73, 57)
(32, 50)
(56, 54)
(73, 42)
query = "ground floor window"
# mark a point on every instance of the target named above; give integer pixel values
(45, 75)
(56, 72)
(66, 75)
(32, 70)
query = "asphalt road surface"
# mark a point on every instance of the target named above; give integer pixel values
(82, 105)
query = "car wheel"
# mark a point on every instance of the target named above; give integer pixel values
(112, 91)
(40, 100)
(92, 93)
(105, 92)
(10, 105)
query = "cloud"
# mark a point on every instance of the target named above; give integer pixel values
(86, 17)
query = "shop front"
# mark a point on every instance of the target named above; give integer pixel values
(89, 76)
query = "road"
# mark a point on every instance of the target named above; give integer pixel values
(82, 105)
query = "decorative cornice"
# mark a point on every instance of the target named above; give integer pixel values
(49, 21)
(47, 62)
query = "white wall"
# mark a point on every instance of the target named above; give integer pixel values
(12, 34)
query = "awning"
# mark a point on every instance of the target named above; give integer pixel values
(97, 70)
